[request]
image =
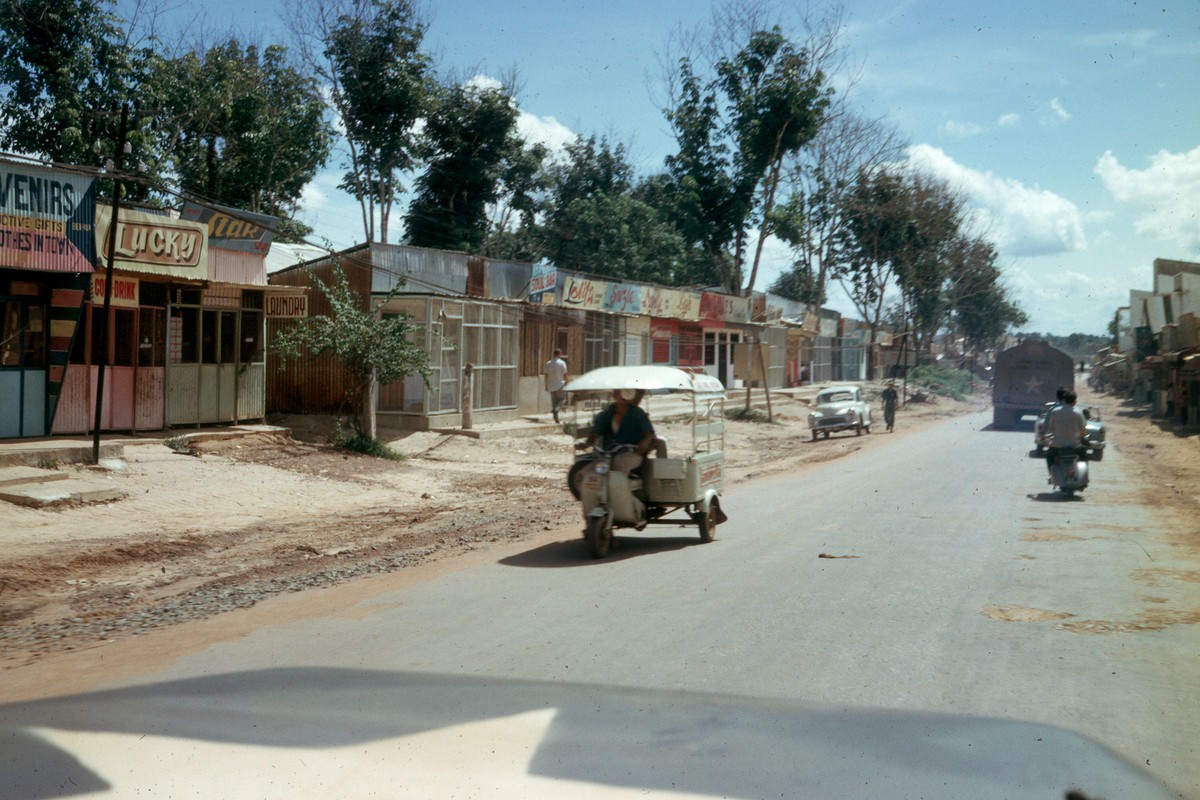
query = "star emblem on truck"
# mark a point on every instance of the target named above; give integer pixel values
(1032, 385)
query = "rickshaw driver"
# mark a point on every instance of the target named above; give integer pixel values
(622, 422)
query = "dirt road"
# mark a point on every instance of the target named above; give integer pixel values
(238, 521)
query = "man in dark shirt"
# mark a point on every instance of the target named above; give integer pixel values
(623, 422)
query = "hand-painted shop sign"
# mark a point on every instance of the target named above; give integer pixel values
(712, 307)
(155, 244)
(544, 279)
(46, 219)
(286, 305)
(124, 290)
(623, 298)
(584, 293)
(232, 229)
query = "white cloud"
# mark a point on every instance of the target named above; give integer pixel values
(1009, 121)
(1057, 113)
(546, 130)
(1166, 195)
(1020, 220)
(961, 130)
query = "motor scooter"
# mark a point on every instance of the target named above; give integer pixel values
(607, 496)
(1069, 471)
(690, 482)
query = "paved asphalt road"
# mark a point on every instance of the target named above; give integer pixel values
(966, 634)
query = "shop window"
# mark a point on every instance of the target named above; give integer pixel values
(185, 335)
(98, 355)
(253, 299)
(209, 335)
(124, 337)
(10, 334)
(152, 294)
(251, 345)
(151, 337)
(229, 337)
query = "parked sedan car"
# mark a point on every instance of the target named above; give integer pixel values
(839, 408)
(1094, 434)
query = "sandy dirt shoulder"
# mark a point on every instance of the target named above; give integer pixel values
(240, 521)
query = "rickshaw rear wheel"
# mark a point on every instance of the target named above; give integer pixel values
(599, 536)
(706, 522)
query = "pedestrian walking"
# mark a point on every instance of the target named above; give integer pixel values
(889, 397)
(556, 377)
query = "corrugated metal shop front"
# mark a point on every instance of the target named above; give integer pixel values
(454, 333)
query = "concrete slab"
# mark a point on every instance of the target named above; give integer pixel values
(21, 474)
(501, 430)
(59, 493)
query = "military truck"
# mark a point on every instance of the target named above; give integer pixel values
(1025, 378)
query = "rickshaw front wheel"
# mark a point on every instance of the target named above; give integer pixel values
(599, 536)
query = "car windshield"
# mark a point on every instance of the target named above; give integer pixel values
(835, 397)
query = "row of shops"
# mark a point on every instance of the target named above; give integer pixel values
(505, 319)
(192, 311)
(182, 343)
(1156, 360)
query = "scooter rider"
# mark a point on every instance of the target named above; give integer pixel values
(622, 422)
(1065, 427)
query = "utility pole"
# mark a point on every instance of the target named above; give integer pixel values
(118, 159)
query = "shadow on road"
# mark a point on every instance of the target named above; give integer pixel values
(573, 552)
(1054, 497)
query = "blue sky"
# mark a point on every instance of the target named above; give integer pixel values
(1073, 127)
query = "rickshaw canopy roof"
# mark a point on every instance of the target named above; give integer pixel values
(647, 378)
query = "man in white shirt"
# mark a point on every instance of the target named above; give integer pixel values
(556, 376)
(1064, 427)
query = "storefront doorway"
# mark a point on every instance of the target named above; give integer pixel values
(718, 355)
(22, 367)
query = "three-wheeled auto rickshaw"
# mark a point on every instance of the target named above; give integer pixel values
(688, 479)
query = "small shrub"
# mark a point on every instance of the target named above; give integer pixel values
(943, 381)
(47, 463)
(358, 442)
(749, 415)
(180, 444)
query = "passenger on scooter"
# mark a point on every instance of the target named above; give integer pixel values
(622, 422)
(1064, 428)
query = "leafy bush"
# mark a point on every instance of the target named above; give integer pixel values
(358, 442)
(749, 415)
(944, 381)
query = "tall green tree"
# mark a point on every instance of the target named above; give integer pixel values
(249, 129)
(734, 131)
(821, 179)
(470, 142)
(983, 311)
(65, 68)
(602, 222)
(872, 241)
(368, 56)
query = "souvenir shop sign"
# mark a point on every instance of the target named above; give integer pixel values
(232, 229)
(544, 279)
(153, 244)
(46, 219)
